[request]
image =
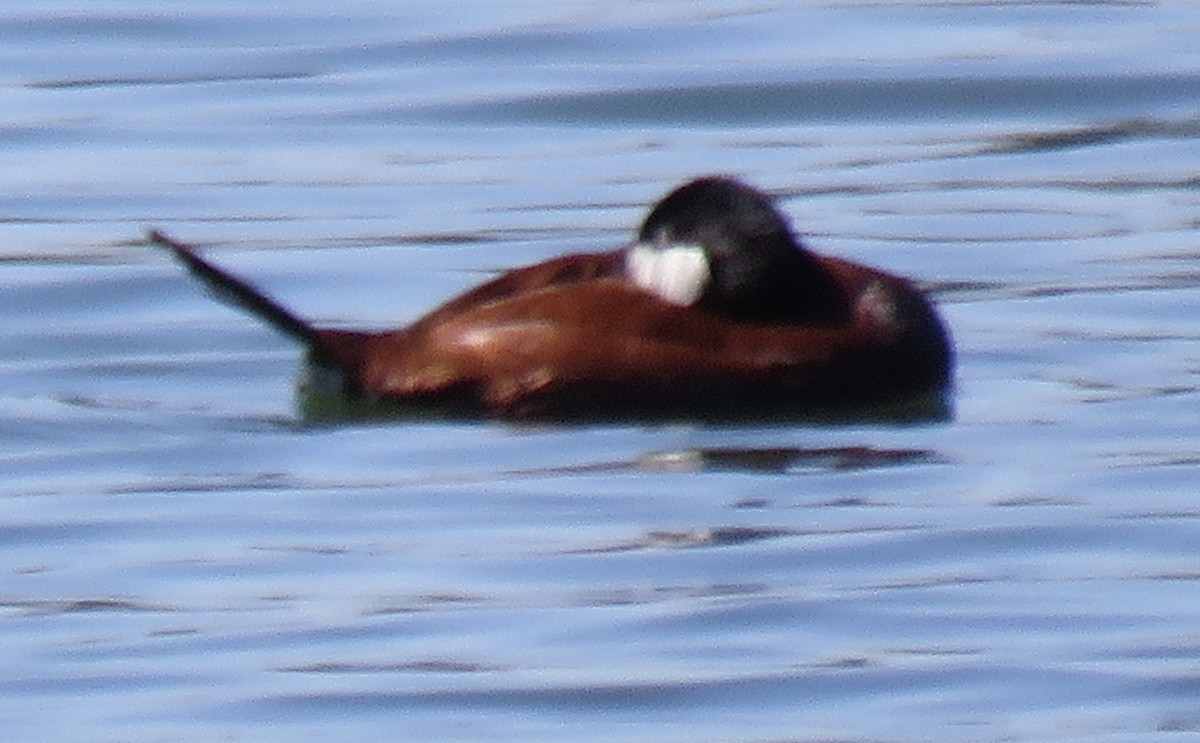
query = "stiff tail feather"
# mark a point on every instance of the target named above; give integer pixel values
(241, 292)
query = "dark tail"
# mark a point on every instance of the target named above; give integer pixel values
(241, 293)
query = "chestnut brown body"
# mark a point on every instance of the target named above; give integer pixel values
(575, 337)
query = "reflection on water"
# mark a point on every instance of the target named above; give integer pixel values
(783, 459)
(189, 554)
(758, 103)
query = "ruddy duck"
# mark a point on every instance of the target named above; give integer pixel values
(715, 309)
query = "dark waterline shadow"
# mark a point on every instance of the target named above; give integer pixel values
(320, 408)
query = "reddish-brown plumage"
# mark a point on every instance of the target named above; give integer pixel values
(576, 337)
(571, 337)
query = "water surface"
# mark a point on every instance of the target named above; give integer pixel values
(183, 556)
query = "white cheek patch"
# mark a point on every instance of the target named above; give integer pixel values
(677, 274)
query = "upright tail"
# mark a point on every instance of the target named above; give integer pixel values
(341, 350)
(240, 292)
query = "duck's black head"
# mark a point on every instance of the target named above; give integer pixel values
(719, 244)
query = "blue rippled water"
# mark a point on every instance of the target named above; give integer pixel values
(185, 556)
